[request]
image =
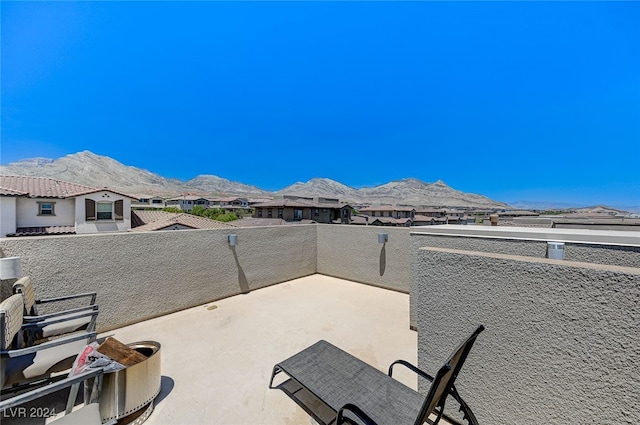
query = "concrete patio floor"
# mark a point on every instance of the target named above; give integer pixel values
(217, 358)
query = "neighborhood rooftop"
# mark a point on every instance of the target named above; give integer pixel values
(31, 206)
(156, 220)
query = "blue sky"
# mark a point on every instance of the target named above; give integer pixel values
(536, 101)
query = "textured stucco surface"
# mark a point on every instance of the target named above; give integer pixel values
(604, 248)
(600, 253)
(561, 342)
(142, 275)
(353, 253)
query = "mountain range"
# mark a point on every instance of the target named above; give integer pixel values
(101, 171)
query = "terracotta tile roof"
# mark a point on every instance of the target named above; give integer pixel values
(286, 203)
(360, 219)
(158, 220)
(229, 199)
(43, 230)
(9, 192)
(258, 200)
(147, 216)
(421, 218)
(386, 208)
(297, 203)
(390, 220)
(188, 198)
(44, 187)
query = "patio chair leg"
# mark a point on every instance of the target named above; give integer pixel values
(276, 370)
(71, 401)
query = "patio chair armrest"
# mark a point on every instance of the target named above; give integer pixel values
(411, 367)
(89, 336)
(41, 317)
(34, 324)
(453, 392)
(340, 419)
(92, 295)
(47, 389)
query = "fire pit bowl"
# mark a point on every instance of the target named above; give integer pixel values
(127, 394)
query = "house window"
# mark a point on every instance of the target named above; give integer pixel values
(317, 212)
(118, 209)
(260, 212)
(297, 214)
(105, 211)
(269, 212)
(280, 212)
(46, 208)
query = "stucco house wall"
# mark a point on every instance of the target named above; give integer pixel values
(27, 212)
(97, 226)
(8, 217)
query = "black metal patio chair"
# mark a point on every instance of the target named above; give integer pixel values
(22, 364)
(87, 414)
(354, 392)
(58, 321)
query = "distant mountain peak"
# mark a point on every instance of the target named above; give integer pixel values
(95, 170)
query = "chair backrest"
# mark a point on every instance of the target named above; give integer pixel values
(446, 376)
(10, 320)
(24, 287)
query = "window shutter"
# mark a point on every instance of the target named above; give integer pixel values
(89, 209)
(119, 209)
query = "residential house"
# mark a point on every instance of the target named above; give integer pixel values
(187, 202)
(148, 201)
(381, 221)
(432, 212)
(43, 206)
(389, 211)
(230, 202)
(303, 209)
(253, 201)
(390, 221)
(424, 220)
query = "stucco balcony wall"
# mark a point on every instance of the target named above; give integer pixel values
(353, 253)
(620, 248)
(561, 345)
(143, 275)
